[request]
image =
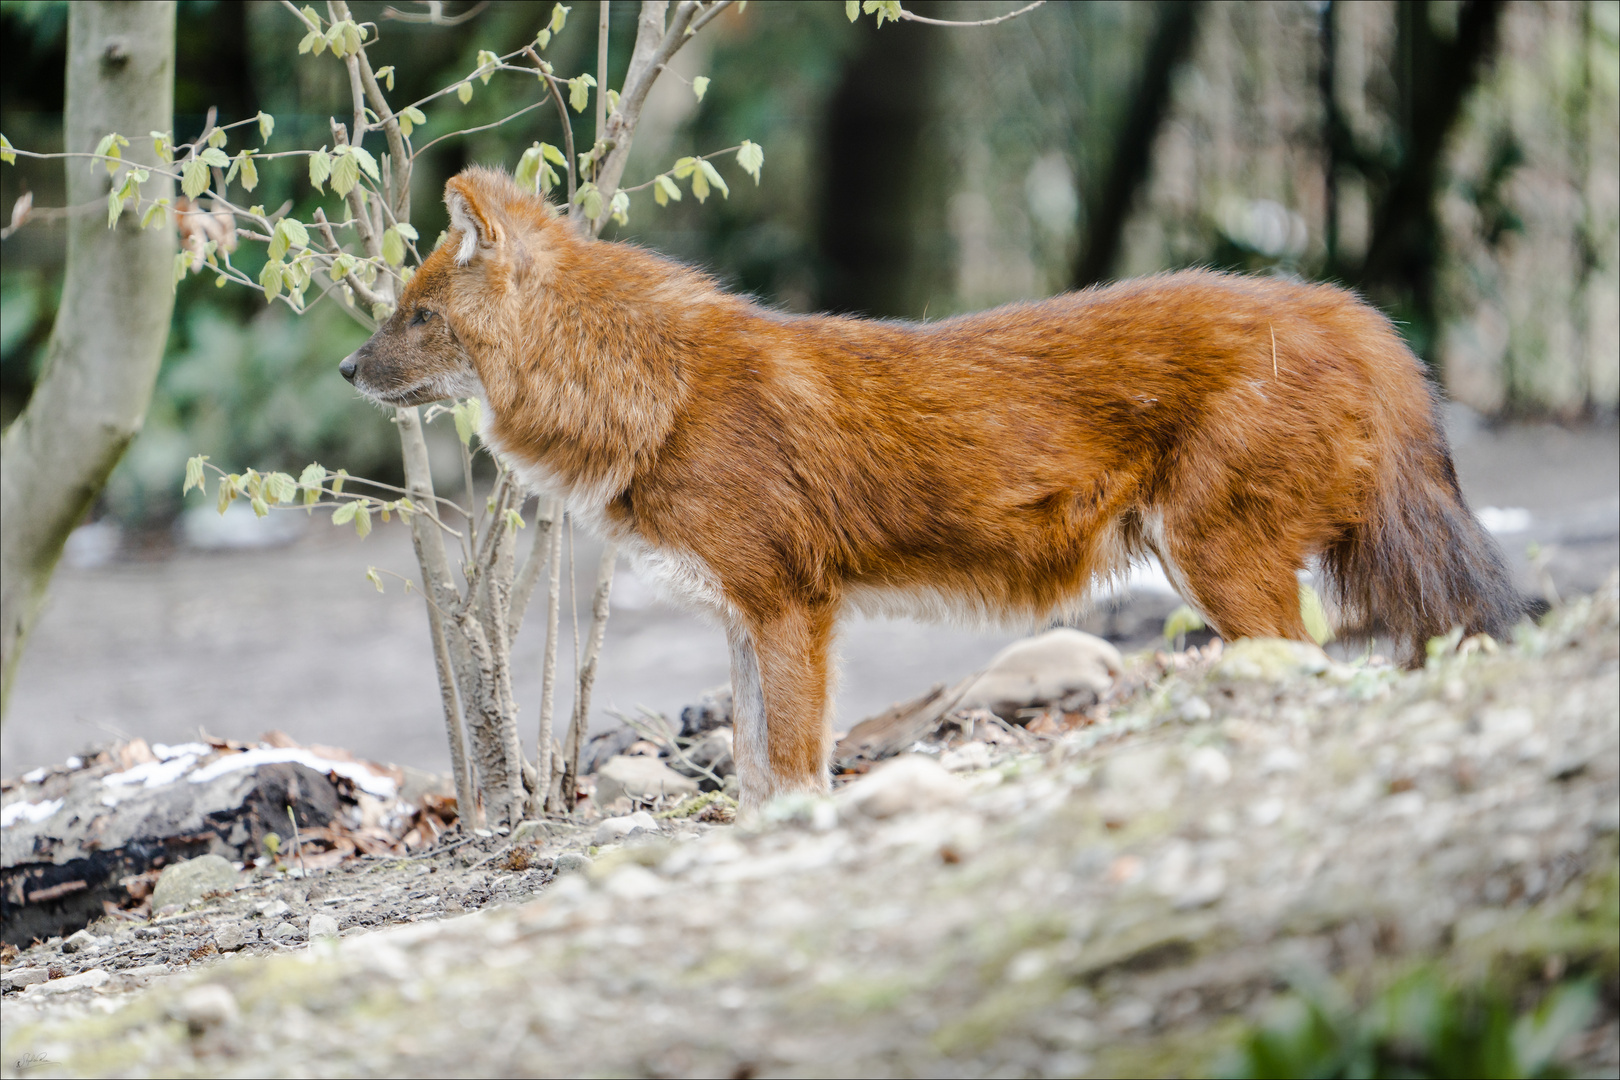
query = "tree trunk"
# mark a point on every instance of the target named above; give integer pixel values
(113, 319)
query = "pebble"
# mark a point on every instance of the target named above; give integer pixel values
(1209, 765)
(530, 832)
(185, 882)
(614, 828)
(640, 778)
(229, 938)
(79, 940)
(1044, 669)
(284, 932)
(907, 783)
(571, 862)
(204, 1007)
(84, 980)
(322, 926)
(20, 978)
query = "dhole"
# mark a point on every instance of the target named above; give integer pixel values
(774, 470)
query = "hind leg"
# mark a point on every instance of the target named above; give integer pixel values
(1244, 589)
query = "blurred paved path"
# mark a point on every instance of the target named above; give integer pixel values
(295, 638)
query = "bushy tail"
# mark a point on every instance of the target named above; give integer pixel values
(1419, 563)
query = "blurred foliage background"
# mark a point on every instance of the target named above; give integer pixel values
(1457, 162)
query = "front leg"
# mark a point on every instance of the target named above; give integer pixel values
(781, 702)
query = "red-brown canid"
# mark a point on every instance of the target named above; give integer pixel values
(774, 470)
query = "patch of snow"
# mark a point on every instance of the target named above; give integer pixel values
(36, 776)
(32, 812)
(164, 751)
(364, 778)
(152, 773)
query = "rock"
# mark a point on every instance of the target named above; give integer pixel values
(966, 758)
(604, 746)
(204, 1007)
(84, 980)
(1062, 667)
(1209, 765)
(615, 828)
(711, 752)
(229, 938)
(285, 933)
(273, 909)
(572, 862)
(21, 978)
(713, 710)
(82, 939)
(186, 882)
(640, 778)
(530, 832)
(908, 783)
(322, 926)
(1268, 660)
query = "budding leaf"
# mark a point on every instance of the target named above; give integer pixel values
(345, 513)
(215, 157)
(115, 206)
(281, 488)
(1312, 613)
(393, 247)
(665, 190)
(310, 480)
(373, 577)
(683, 167)
(559, 15)
(182, 263)
(314, 40)
(386, 74)
(464, 92)
(750, 158)
(109, 147)
(543, 38)
(700, 183)
(589, 199)
(337, 481)
(194, 474)
(527, 174)
(852, 8)
(514, 520)
(619, 207)
(579, 91)
(362, 520)
(267, 124)
(889, 9)
(466, 414)
(367, 162)
(162, 147)
(714, 178)
(410, 119)
(700, 86)
(487, 63)
(250, 172)
(320, 168)
(270, 278)
(153, 211)
(5, 151)
(1183, 620)
(260, 507)
(217, 138)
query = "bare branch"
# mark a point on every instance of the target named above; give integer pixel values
(481, 127)
(910, 17)
(434, 14)
(359, 287)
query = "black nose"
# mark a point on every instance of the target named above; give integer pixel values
(346, 369)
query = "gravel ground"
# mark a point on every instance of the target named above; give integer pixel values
(1124, 902)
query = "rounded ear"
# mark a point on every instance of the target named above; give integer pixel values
(473, 214)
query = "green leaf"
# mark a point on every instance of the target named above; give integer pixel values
(1314, 615)
(619, 207)
(335, 39)
(527, 173)
(182, 263)
(405, 507)
(337, 480)
(665, 190)
(353, 35)
(684, 167)
(750, 158)
(310, 481)
(215, 157)
(408, 231)
(362, 520)
(579, 91)
(1183, 620)
(464, 92)
(281, 488)
(543, 38)
(889, 9)
(320, 168)
(227, 492)
(553, 155)
(700, 183)
(345, 512)
(108, 147)
(278, 243)
(612, 101)
(162, 147)
(410, 119)
(487, 63)
(852, 8)
(386, 74)
(714, 177)
(270, 279)
(312, 40)
(589, 199)
(194, 474)
(373, 577)
(5, 151)
(153, 211)
(250, 172)
(380, 311)
(267, 125)
(260, 507)
(367, 162)
(194, 177)
(514, 520)
(393, 247)
(467, 413)
(559, 15)
(700, 86)
(217, 138)
(115, 207)
(345, 171)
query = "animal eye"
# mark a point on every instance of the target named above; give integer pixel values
(422, 315)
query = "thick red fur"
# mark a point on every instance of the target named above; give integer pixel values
(776, 469)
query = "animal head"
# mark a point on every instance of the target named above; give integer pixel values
(464, 305)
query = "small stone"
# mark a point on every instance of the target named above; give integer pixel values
(205, 1007)
(186, 882)
(572, 862)
(273, 909)
(79, 940)
(1209, 765)
(1061, 665)
(530, 832)
(284, 932)
(20, 978)
(642, 779)
(140, 976)
(907, 783)
(84, 980)
(322, 926)
(229, 938)
(615, 828)
(1195, 710)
